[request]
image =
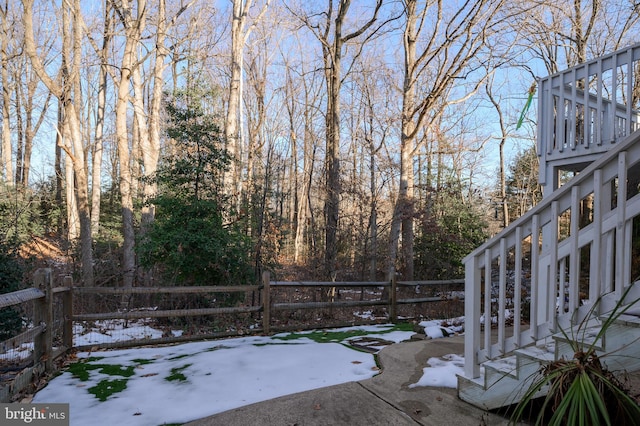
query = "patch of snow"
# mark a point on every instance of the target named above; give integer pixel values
(220, 375)
(441, 372)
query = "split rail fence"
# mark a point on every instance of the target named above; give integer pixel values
(58, 318)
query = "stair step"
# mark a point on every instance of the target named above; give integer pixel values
(504, 381)
(502, 366)
(566, 342)
(542, 353)
(629, 320)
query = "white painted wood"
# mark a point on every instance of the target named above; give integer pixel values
(609, 236)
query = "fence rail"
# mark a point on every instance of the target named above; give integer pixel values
(57, 312)
(49, 332)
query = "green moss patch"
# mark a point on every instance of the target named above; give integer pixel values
(141, 361)
(322, 336)
(105, 388)
(173, 358)
(81, 370)
(176, 374)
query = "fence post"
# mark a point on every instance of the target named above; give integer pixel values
(393, 299)
(266, 302)
(67, 308)
(43, 315)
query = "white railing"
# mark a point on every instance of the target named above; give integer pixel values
(584, 110)
(554, 261)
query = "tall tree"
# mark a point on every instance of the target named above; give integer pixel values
(331, 34)
(5, 148)
(442, 43)
(133, 21)
(70, 110)
(29, 117)
(239, 36)
(567, 32)
(98, 145)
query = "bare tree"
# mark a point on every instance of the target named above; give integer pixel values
(239, 36)
(302, 89)
(5, 148)
(451, 40)
(98, 145)
(330, 33)
(133, 22)
(566, 32)
(29, 118)
(70, 70)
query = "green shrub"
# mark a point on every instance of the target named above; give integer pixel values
(193, 239)
(11, 275)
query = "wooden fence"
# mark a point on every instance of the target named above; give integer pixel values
(56, 310)
(48, 329)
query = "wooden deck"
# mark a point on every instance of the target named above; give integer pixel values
(574, 249)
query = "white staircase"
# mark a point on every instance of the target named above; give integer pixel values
(573, 251)
(504, 381)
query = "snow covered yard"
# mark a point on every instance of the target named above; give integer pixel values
(176, 384)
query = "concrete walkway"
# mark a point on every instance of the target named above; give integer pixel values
(385, 399)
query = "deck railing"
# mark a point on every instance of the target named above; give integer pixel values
(584, 110)
(556, 260)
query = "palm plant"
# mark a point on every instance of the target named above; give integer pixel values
(582, 390)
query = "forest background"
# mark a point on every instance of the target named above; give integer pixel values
(202, 142)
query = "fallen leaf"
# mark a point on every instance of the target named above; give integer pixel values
(317, 407)
(149, 375)
(356, 362)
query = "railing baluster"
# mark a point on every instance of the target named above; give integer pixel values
(572, 119)
(629, 92)
(472, 312)
(535, 273)
(517, 288)
(586, 110)
(599, 106)
(621, 207)
(561, 120)
(552, 285)
(574, 257)
(502, 294)
(595, 270)
(561, 301)
(487, 301)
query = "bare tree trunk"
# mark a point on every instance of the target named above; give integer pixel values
(7, 158)
(26, 105)
(70, 70)
(233, 131)
(232, 127)
(20, 128)
(151, 147)
(73, 221)
(333, 41)
(98, 146)
(133, 28)
(448, 45)
(503, 139)
(404, 209)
